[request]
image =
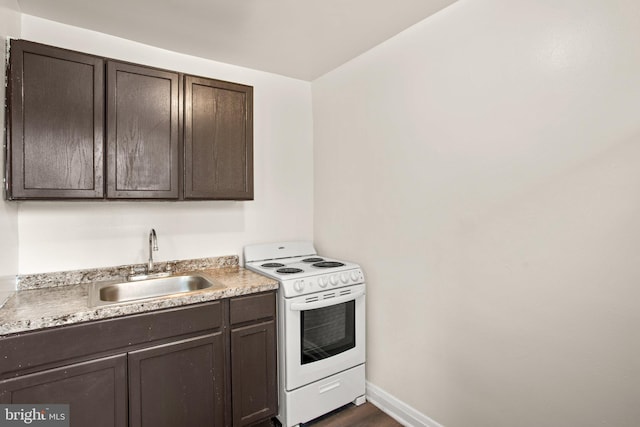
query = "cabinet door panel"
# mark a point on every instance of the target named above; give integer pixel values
(253, 373)
(178, 384)
(142, 132)
(56, 126)
(96, 391)
(218, 140)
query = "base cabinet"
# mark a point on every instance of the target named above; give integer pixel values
(96, 391)
(210, 364)
(253, 367)
(178, 384)
(253, 359)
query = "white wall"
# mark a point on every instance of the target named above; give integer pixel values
(483, 168)
(64, 235)
(9, 27)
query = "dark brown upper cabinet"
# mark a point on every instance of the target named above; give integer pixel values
(218, 140)
(86, 127)
(142, 132)
(55, 123)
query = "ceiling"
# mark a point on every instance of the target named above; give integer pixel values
(303, 39)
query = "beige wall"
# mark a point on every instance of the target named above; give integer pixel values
(484, 169)
(9, 27)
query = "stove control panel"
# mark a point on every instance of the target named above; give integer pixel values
(311, 284)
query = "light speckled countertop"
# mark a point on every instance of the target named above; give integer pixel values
(54, 305)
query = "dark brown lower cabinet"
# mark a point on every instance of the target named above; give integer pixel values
(254, 388)
(253, 359)
(96, 391)
(178, 384)
(168, 368)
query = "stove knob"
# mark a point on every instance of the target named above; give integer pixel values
(323, 282)
(298, 286)
(354, 276)
(344, 278)
(333, 280)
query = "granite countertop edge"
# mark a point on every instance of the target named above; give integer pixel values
(33, 309)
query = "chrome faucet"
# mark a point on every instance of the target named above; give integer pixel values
(137, 271)
(153, 246)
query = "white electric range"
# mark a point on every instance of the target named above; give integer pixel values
(321, 328)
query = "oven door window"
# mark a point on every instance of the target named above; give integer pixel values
(327, 331)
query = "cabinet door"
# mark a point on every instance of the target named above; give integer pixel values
(218, 135)
(142, 132)
(253, 373)
(178, 384)
(96, 391)
(55, 136)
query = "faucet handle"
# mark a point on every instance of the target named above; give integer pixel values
(168, 268)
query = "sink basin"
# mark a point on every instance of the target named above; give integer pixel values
(112, 293)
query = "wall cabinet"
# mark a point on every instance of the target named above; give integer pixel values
(166, 135)
(172, 368)
(218, 140)
(142, 132)
(55, 123)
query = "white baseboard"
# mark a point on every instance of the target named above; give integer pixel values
(397, 409)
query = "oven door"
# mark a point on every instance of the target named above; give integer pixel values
(324, 334)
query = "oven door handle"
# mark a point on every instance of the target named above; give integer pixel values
(301, 306)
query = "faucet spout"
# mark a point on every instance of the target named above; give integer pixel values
(153, 246)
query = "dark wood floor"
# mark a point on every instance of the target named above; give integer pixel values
(366, 415)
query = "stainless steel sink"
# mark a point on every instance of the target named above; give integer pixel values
(102, 293)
